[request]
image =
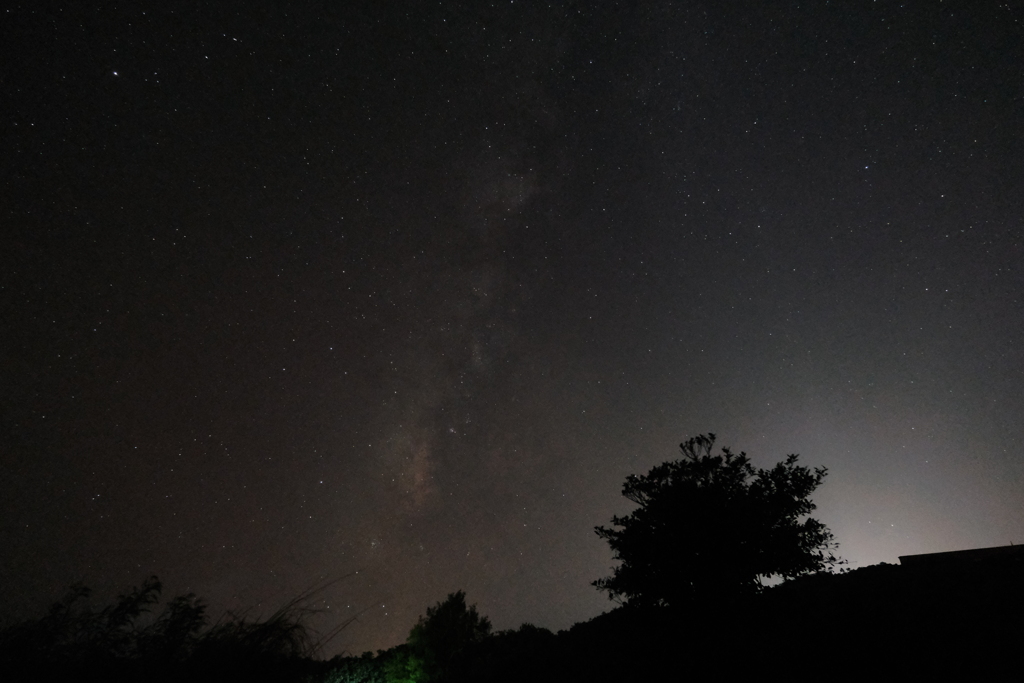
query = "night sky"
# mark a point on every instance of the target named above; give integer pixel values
(291, 291)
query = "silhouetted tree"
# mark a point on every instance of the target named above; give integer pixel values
(440, 638)
(712, 526)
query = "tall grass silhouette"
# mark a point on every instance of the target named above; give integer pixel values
(128, 641)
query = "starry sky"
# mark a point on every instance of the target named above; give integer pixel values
(402, 292)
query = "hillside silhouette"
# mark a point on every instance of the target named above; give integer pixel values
(932, 616)
(707, 530)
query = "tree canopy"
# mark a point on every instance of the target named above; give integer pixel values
(438, 640)
(712, 527)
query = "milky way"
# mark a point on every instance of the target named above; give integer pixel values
(404, 295)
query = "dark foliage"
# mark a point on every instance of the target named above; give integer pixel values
(528, 653)
(126, 642)
(440, 639)
(882, 621)
(714, 527)
(367, 668)
(884, 618)
(441, 647)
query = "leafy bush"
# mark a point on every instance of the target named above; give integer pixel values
(125, 641)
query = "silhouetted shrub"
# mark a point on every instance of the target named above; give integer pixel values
(124, 641)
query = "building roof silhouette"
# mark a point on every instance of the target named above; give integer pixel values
(964, 558)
